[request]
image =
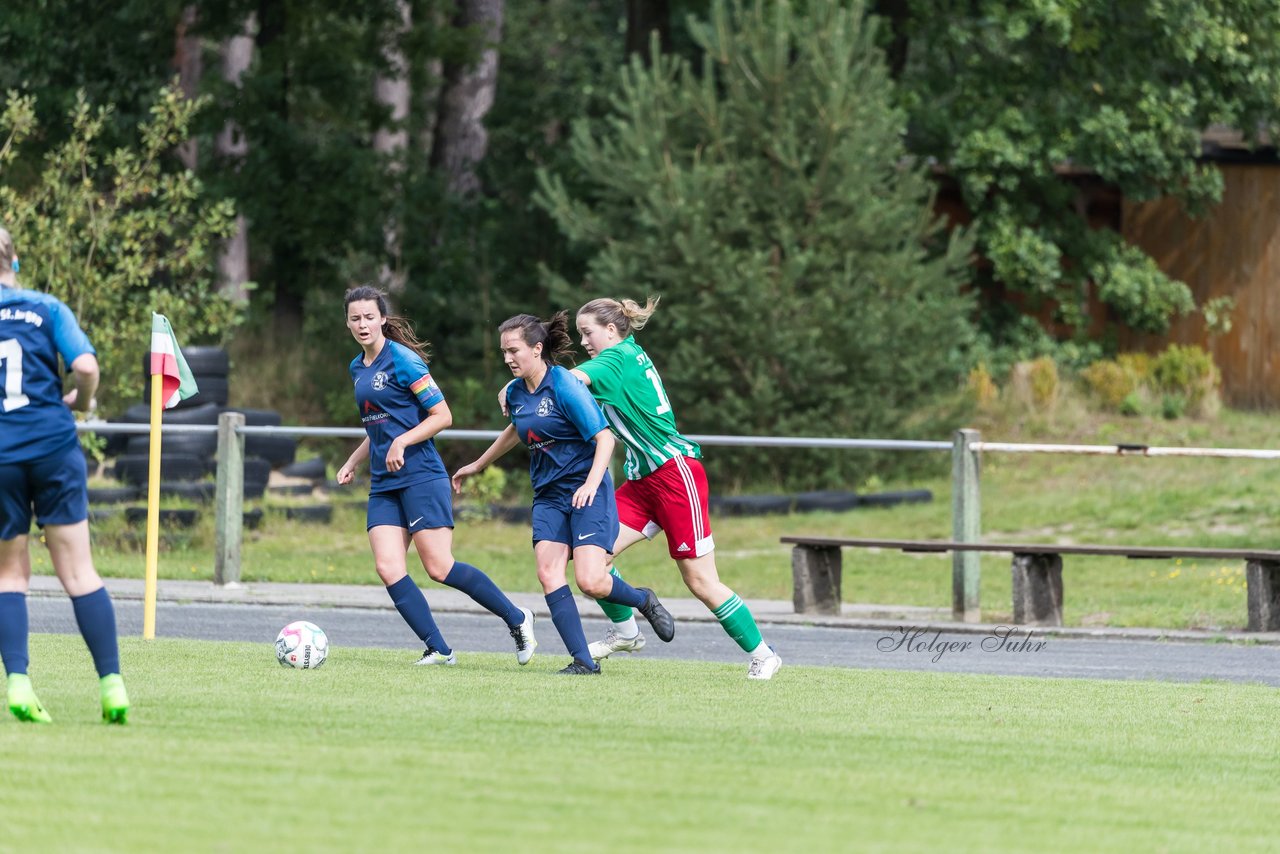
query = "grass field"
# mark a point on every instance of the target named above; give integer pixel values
(228, 752)
(1188, 502)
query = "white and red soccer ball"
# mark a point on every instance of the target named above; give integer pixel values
(302, 645)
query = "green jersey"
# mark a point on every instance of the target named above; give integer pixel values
(629, 390)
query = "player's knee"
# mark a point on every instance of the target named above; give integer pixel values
(389, 573)
(595, 585)
(437, 568)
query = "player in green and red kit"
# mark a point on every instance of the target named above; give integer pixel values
(666, 486)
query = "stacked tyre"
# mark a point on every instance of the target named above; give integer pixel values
(211, 368)
(188, 458)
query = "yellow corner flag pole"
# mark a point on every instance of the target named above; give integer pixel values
(153, 511)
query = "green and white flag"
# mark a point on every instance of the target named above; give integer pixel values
(166, 360)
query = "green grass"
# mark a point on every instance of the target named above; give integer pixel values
(228, 752)
(1136, 501)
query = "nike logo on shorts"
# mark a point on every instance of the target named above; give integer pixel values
(584, 536)
(415, 521)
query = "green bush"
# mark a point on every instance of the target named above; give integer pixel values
(115, 236)
(1187, 372)
(1109, 383)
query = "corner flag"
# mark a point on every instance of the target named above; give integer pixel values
(171, 382)
(167, 361)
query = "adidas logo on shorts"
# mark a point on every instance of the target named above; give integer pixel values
(684, 547)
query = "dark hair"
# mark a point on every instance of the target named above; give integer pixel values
(397, 328)
(626, 314)
(552, 334)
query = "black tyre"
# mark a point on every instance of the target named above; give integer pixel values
(101, 514)
(832, 500)
(140, 413)
(134, 468)
(194, 444)
(257, 417)
(278, 450)
(256, 470)
(889, 499)
(291, 489)
(213, 390)
(201, 490)
(202, 360)
(751, 505)
(112, 494)
(254, 490)
(319, 513)
(172, 517)
(253, 518)
(516, 514)
(312, 469)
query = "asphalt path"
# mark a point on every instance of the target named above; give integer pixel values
(1005, 652)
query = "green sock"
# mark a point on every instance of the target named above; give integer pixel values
(615, 613)
(735, 617)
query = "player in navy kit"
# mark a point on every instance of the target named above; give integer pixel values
(402, 409)
(569, 443)
(42, 474)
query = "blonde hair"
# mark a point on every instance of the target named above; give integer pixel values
(627, 315)
(6, 248)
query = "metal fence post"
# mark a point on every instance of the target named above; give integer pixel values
(229, 500)
(966, 527)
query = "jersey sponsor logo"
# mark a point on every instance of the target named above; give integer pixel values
(537, 443)
(372, 413)
(584, 536)
(415, 521)
(683, 547)
(379, 380)
(518, 409)
(544, 407)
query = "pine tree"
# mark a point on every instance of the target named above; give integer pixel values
(807, 286)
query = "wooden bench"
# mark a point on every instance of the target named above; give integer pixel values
(1037, 573)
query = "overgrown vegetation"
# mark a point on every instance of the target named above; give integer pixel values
(114, 234)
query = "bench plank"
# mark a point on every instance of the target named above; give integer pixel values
(1136, 552)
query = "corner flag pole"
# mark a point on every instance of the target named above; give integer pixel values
(171, 382)
(153, 509)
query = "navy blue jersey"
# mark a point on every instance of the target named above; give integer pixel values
(35, 329)
(393, 396)
(556, 421)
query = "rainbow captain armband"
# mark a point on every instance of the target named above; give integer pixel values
(425, 389)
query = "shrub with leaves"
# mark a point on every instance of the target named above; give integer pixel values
(1188, 373)
(117, 234)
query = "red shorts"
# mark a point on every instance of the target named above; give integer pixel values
(671, 499)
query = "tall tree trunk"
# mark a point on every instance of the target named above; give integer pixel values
(392, 142)
(189, 63)
(643, 18)
(461, 139)
(231, 146)
(898, 14)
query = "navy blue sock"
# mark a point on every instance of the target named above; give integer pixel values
(480, 587)
(624, 594)
(14, 629)
(564, 613)
(413, 606)
(97, 621)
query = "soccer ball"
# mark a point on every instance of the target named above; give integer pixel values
(302, 645)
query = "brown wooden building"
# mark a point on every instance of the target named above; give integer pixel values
(1233, 251)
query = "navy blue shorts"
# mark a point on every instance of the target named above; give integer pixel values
(417, 507)
(555, 519)
(55, 487)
